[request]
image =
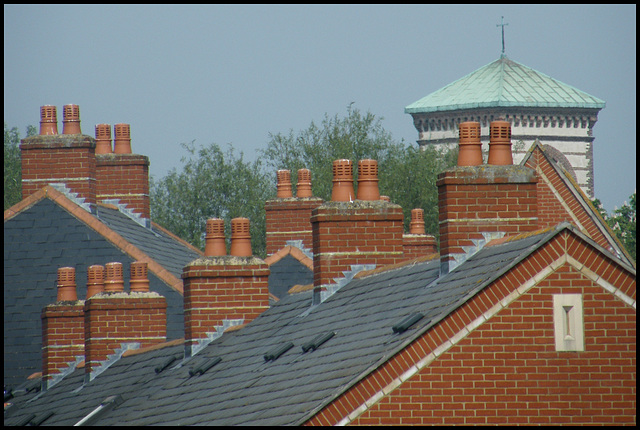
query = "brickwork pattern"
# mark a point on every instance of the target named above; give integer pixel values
(68, 159)
(507, 370)
(480, 199)
(414, 246)
(111, 321)
(345, 234)
(62, 336)
(124, 177)
(552, 190)
(289, 219)
(215, 292)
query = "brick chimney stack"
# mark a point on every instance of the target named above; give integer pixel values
(287, 217)
(62, 328)
(418, 243)
(348, 232)
(477, 202)
(67, 158)
(115, 317)
(221, 290)
(120, 174)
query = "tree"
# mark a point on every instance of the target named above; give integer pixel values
(212, 184)
(12, 165)
(406, 174)
(623, 222)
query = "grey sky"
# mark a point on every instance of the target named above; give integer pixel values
(233, 74)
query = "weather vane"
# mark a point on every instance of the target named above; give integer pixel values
(502, 24)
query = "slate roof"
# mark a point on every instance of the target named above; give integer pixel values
(505, 83)
(43, 235)
(289, 267)
(244, 388)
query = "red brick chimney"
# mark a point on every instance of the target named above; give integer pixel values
(223, 290)
(67, 158)
(418, 243)
(350, 232)
(287, 217)
(115, 317)
(477, 202)
(62, 328)
(120, 174)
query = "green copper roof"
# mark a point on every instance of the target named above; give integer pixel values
(504, 83)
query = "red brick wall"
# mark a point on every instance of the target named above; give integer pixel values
(551, 211)
(414, 245)
(221, 288)
(289, 219)
(507, 370)
(361, 232)
(124, 177)
(485, 198)
(68, 159)
(62, 337)
(111, 321)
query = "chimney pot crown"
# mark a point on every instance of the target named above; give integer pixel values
(368, 180)
(303, 188)
(95, 280)
(103, 139)
(48, 120)
(470, 153)
(114, 280)
(67, 284)
(342, 181)
(71, 119)
(122, 144)
(214, 240)
(500, 144)
(284, 184)
(240, 238)
(139, 277)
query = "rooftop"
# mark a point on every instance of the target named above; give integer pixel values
(505, 83)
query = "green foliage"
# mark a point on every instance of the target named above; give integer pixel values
(212, 184)
(623, 222)
(406, 174)
(355, 137)
(12, 165)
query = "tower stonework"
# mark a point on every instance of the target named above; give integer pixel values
(537, 106)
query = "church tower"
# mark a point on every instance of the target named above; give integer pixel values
(537, 106)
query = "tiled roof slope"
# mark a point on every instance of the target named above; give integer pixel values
(288, 267)
(505, 83)
(42, 236)
(244, 388)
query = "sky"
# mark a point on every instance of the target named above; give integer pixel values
(236, 73)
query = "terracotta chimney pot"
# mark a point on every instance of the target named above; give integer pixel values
(417, 221)
(470, 153)
(215, 245)
(240, 238)
(368, 180)
(139, 279)
(95, 280)
(67, 284)
(122, 144)
(342, 181)
(103, 139)
(48, 120)
(114, 280)
(284, 184)
(303, 188)
(71, 119)
(500, 144)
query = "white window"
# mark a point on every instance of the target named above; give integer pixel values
(568, 322)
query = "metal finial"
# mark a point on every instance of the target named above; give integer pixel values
(502, 24)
